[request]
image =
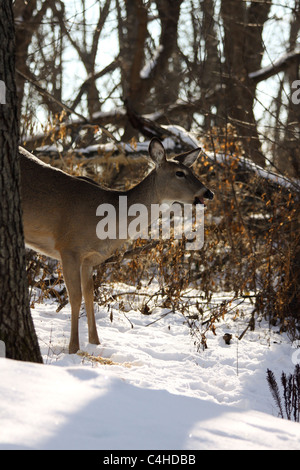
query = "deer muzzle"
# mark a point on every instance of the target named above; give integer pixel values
(208, 194)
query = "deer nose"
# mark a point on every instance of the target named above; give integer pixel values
(208, 194)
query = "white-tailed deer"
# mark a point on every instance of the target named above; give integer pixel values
(59, 217)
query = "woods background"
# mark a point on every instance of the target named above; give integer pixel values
(93, 75)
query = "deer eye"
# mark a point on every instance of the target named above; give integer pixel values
(180, 174)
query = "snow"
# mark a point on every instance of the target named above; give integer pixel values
(151, 389)
(185, 136)
(275, 66)
(149, 66)
(190, 139)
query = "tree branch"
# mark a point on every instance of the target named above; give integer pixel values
(278, 66)
(84, 87)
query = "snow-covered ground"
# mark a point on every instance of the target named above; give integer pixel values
(157, 391)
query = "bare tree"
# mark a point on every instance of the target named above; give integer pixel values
(87, 54)
(288, 159)
(28, 19)
(243, 50)
(16, 326)
(188, 62)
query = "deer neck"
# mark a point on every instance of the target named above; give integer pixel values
(145, 193)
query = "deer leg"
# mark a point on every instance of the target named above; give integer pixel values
(88, 293)
(71, 272)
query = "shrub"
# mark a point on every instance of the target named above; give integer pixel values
(288, 403)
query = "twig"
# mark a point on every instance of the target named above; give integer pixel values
(161, 317)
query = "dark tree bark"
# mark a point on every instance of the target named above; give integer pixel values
(243, 50)
(16, 326)
(289, 160)
(159, 86)
(28, 19)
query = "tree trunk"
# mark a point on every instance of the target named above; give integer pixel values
(16, 326)
(28, 19)
(289, 155)
(243, 49)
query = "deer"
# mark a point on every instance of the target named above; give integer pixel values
(59, 218)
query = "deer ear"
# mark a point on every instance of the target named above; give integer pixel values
(188, 158)
(157, 151)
